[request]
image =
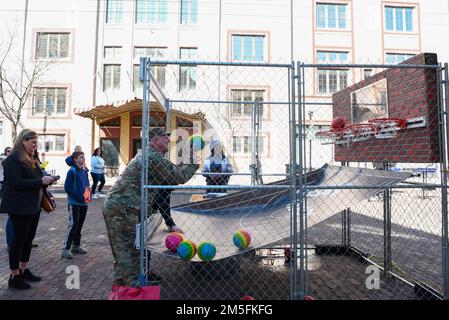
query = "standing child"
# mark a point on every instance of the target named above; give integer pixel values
(78, 196)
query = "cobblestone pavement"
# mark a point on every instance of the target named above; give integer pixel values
(262, 273)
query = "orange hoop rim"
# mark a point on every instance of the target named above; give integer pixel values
(401, 123)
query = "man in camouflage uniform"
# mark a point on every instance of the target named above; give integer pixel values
(121, 209)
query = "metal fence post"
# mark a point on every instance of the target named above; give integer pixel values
(294, 203)
(444, 117)
(300, 170)
(387, 226)
(145, 64)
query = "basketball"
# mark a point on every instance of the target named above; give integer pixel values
(247, 298)
(241, 239)
(338, 123)
(206, 251)
(186, 250)
(197, 142)
(173, 240)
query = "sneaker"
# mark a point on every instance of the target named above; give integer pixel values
(16, 282)
(154, 278)
(95, 196)
(66, 254)
(27, 275)
(101, 195)
(175, 229)
(79, 250)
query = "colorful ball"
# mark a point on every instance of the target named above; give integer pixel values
(241, 239)
(206, 251)
(186, 250)
(197, 141)
(173, 240)
(338, 123)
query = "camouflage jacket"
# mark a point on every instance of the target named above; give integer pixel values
(126, 191)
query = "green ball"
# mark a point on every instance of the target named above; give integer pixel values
(206, 251)
(197, 142)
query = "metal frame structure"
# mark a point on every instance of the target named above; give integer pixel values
(298, 186)
(443, 123)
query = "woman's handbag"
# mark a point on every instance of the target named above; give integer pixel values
(48, 205)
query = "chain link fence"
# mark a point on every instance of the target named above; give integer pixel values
(393, 244)
(233, 119)
(356, 221)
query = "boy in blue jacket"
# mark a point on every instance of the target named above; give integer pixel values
(77, 187)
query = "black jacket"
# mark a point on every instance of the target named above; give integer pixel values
(21, 187)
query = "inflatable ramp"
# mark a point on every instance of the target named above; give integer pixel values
(265, 213)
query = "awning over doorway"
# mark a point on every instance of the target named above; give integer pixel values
(106, 111)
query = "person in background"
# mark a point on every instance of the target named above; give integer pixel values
(22, 198)
(77, 187)
(97, 173)
(217, 162)
(9, 229)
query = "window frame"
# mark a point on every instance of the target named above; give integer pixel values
(396, 54)
(395, 8)
(160, 17)
(189, 70)
(338, 21)
(112, 88)
(254, 47)
(264, 153)
(48, 34)
(115, 12)
(328, 70)
(189, 14)
(114, 58)
(160, 69)
(241, 107)
(54, 135)
(44, 113)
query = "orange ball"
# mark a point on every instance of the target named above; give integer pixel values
(338, 123)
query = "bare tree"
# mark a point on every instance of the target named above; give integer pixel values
(16, 84)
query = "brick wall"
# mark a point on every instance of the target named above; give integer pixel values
(411, 93)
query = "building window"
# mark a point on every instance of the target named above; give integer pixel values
(248, 48)
(52, 45)
(158, 71)
(189, 11)
(151, 11)
(245, 109)
(49, 101)
(395, 58)
(51, 143)
(367, 73)
(242, 145)
(111, 76)
(114, 11)
(331, 80)
(399, 19)
(113, 53)
(187, 74)
(331, 16)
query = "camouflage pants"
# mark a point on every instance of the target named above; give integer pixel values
(120, 224)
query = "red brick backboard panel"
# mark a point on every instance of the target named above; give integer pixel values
(411, 93)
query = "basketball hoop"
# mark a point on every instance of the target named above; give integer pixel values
(387, 128)
(362, 132)
(327, 137)
(346, 136)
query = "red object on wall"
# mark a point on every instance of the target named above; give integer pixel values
(411, 93)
